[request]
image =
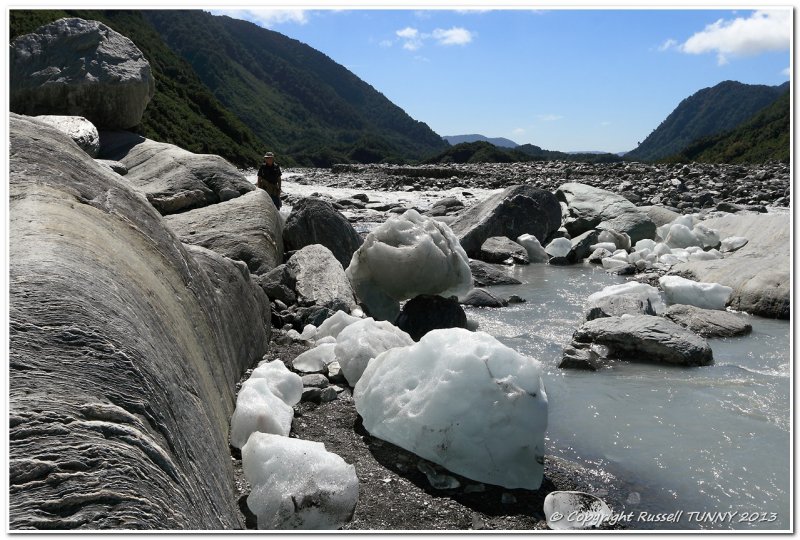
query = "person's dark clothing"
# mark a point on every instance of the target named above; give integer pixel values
(269, 179)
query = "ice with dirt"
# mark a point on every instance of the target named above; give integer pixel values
(298, 484)
(644, 291)
(364, 340)
(406, 256)
(680, 290)
(463, 400)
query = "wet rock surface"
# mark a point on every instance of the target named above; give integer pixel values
(708, 322)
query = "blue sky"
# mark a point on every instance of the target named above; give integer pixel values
(561, 79)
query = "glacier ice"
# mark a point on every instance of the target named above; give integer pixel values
(334, 324)
(298, 484)
(707, 236)
(404, 257)
(259, 410)
(680, 290)
(283, 383)
(462, 400)
(680, 236)
(559, 247)
(315, 360)
(631, 287)
(364, 340)
(732, 243)
(536, 253)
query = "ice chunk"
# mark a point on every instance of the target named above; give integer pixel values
(661, 249)
(559, 247)
(309, 333)
(406, 256)
(324, 340)
(298, 484)
(462, 400)
(571, 510)
(669, 259)
(283, 383)
(640, 289)
(536, 253)
(645, 244)
(732, 243)
(705, 255)
(334, 324)
(315, 360)
(620, 240)
(680, 290)
(680, 236)
(610, 246)
(259, 410)
(707, 236)
(362, 341)
(611, 263)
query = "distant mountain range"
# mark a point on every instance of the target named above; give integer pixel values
(232, 88)
(708, 112)
(497, 141)
(486, 152)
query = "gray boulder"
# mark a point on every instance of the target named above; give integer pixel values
(247, 228)
(708, 322)
(279, 284)
(659, 215)
(499, 249)
(758, 272)
(618, 305)
(315, 221)
(588, 207)
(172, 179)
(645, 338)
(580, 246)
(78, 128)
(83, 68)
(428, 312)
(484, 274)
(483, 298)
(125, 349)
(582, 358)
(320, 279)
(515, 211)
(114, 166)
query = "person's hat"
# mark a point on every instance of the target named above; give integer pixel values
(269, 154)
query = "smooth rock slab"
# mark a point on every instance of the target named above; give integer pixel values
(246, 229)
(173, 179)
(484, 274)
(499, 249)
(79, 129)
(83, 68)
(708, 322)
(125, 349)
(645, 338)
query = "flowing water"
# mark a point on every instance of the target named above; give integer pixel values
(705, 439)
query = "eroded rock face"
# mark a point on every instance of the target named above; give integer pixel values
(315, 221)
(320, 279)
(79, 129)
(515, 211)
(80, 68)
(247, 228)
(588, 207)
(125, 348)
(173, 179)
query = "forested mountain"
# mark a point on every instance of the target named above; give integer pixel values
(710, 111)
(765, 137)
(502, 142)
(484, 152)
(230, 87)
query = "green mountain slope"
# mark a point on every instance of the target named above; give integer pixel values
(502, 142)
(484, 152)
(183, 111)
(710, 111)
(231, 88)
(291, 95)
(765, 137)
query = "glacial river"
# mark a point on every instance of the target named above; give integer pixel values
(704, 439)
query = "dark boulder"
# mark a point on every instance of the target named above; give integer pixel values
(618, 305)
(483, 298)
(315, 221)
(428, 312)
(515, 211)
(709, 322)
(499, 249)
(484, 274)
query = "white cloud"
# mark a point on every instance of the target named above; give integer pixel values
(412, 40)
(763, 31)
(408, 33)
(473, 11)
(518, 131)
(787, 72)
(452, 36)
(667, 45)
(549, 117)
(266, 18)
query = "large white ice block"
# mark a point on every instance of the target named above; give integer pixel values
(463, 400)
(362, 341)
(680, 290)
(298, 484)
(259, 410)
(536, 253)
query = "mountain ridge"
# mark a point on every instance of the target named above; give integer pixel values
(501, 142)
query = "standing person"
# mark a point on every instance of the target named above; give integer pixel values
(269, 178)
